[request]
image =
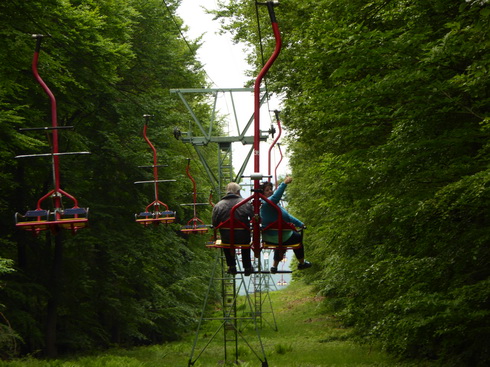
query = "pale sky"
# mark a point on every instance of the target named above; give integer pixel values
(225, 64)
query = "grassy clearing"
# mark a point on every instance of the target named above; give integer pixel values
(305, 338)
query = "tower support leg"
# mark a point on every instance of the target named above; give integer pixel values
(229, 321)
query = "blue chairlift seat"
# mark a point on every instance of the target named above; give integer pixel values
(146, 218)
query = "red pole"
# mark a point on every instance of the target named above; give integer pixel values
(155, 160)
(54, 122)
(276, 112)
(258, 81)
(278, 163)
(194, 187)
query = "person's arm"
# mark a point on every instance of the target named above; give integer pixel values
(277, 195)
(288, 217)
(215, 217)
(296, 221)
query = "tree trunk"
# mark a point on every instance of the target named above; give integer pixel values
(52, 306)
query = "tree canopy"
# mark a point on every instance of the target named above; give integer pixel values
(107, 62)
(387, 106)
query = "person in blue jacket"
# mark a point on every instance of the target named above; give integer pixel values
(269, 214)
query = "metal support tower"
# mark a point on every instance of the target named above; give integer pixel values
(230, 326)
(230, 320)
(209, 135)
(225, 164)
(260, 285)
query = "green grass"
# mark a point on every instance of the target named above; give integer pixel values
(305, 337)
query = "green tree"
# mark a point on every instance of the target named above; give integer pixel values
(386, 103)
(108, 62)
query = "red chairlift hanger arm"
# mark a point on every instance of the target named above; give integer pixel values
(194, 186)
(60, 215)
(278, 164)
(157, 211)
(156, 203)
(155, 157)
(54, 123)
(258, 81)
(57, 192)
(194, 222)
(276, 112)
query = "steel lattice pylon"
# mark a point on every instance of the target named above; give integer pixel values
(230, 320)
(224, 143)
(260, 285)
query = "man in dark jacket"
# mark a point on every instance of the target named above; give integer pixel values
(241, 233)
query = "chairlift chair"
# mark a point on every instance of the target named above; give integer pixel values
(227, 225)
(41, 219)
(280, 225)
(195, 224)
(153, 213)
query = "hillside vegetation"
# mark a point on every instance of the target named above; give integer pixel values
(308, 336)
(107, 62)
(387, 104)
(387, 112)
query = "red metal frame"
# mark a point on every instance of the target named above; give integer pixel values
(194, 225)
(276, 112)
(278, 164)
(210, 199)
(257, 196)
(232, 227)
(153, 213)
(256, 190)
(69, 218)
(233, 224)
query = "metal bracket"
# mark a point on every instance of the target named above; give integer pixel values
(208, 133)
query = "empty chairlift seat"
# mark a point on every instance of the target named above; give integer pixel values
(146, 218)
(39, 220)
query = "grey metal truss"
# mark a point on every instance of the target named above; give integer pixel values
(208, 131)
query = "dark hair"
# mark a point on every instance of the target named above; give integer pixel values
(264, 184)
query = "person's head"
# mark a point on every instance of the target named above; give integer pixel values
(233, 188)
(267, 188)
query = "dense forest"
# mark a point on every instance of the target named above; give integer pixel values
(387, 109)
(387, 103)
(116, 282)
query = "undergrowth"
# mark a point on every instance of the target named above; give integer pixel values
(295, 332)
